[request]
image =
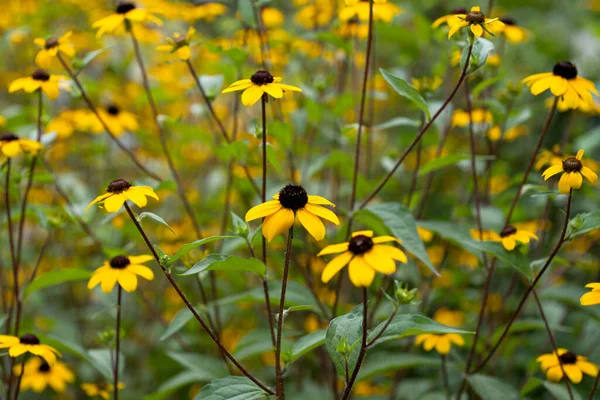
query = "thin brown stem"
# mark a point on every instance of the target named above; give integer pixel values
(118, 345)
(363, 347)
(593, 392)
(284, 279)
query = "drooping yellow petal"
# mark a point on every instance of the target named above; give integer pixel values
(575, 180)
(392, 252)
(127, 280)
(477, 30)
(141, 270)
(384, 238)
(140, 259)
(108, 281)
(559, 86)
(335, 265)
(98, 199)
(589, 175)
(379, 261)
(361, 274)
(563, 184)
(263, 210)
(274, 90)
(114, 203)
(553, 170)
(252, 95)
(323, 213)
(573, 372)
(277, 223)
(311, 223)
(137, 197)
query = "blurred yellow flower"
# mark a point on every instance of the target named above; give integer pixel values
(443, 343)
(574, 365)
(28, 343)
(40, 79)
(495, 133)
(51, 47)
(117, 120)
(11, 145)
(125, 14)
(104, 390)
(382, 11)
(37, 375)
(179, 44)
(509, 236)
(460, 117)
(591, 298)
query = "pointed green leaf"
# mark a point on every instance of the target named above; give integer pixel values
(404, 89)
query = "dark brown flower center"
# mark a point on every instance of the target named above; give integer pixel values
(507, 231)
(120, 262)
(565, 69)
(118, 186)
(475, 17)
(508, 21)
(28, 338)
(360, 244)
(44, 367)
(293, 197)
(459, 10)
(124, 7)
(572, 165)
(113, 109)
(262, 78)
(40, 75)
(568, 358)
(51, 42)
(8, 137)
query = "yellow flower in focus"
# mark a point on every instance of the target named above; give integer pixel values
(443, 343)
(37, 375)
(51, 47)
(179, 44)
(104, 390)
(382, 11)
(474, 19)
(117, 120)
(460, 117)
(123, 270)
(119, 192)
(28, 343)
(564, 83)
(575, 366)
(126, 13)
(509, 236)
(11, 145)
(290, 203)
(40, 79)
(260, 83)
(591, 298)
(573, 173)
(366, 256)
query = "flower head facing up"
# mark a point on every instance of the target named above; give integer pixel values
(574, 365)
(40, 80)
(443, 343)
(125, 14)
(28, 343)
(179, 44)
(119, 191)
(573, 172)
(11, 145)
(591, 298)
(123, 270)
(565, 83)
(51, 47)
(38, 375)
(290, 203)
(366, 255)
(260, 84)
(474, 19)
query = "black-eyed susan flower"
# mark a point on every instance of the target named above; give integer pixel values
(179, 44)
(126, 13)
(382, 11)
(40, 80)
(511, 30)
(104, 390)
(28, 343)
(290, 203)
(118, 120)
(51, 47)
(508, 236)
(119, 192)
(474, 19)
(443, 343)
(38, 375)
(565, 83)
(591, 298)
(573, 172)
(574, 365)
(11, 145)
(366, 255)
(259, 84)
(444, 18)
(123, 270)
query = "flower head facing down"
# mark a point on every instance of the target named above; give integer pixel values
(118, 120)
(591, 298)
(125, 14)
(474, 19)
(38, 375)
(574, 365)
(512, 31)
(508, 236)
(11, 145)
(104, 390)
(366, 255)
(119, 192)
(260, 84)
(50, 47)
(121, 269)
(40, 80)
(573, 172)
(179, 44)
(290, 203)
(443, 343)
(564, 83)
(28, 343)
(445, 18)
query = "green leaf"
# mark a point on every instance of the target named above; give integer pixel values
(584, 223)
(232, 387)
(238, 56)
(481, 86)
(208, 368)
(174, 383)
(57, 277)
(560, 392)
(490, 388)
(307, 344)
(447, 161)
(101, 359)
(345, 327)
(186, 248)
(399, 220)
(404, 89)
(179, 320)
(481, 50)
(253, 344)
(246, 9)
(221, 262)
(89, 57)
(156, 218)
(382, 363)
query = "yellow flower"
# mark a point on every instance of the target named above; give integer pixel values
(40, 79)
(574, 171)
(118, 121)
(445, 18)
(478, 116)
(11, 145)
(119, 192)
(425, 234)
(475, 19)
(38, 374)
(104, 390)
(564, 83)
(179, 44)
(260, 83)
(443, 343)
(495, 133)
(272, 17)
(511, 31)
(126, 13)
(382, 11)
(51, 47)
(292, 201)
(509, 236)
(28, 343)
(591, 298)
(427, 84)
(121, 269)
(366, 256)
(575, 366)
(318, 13)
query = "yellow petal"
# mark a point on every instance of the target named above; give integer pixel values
(380, 261)
(108, 281)
(392, 252)
(363, 233)
(361, 274)
(323, 213)
(335, 265)
(333, 249)
(127, 280)
(252, 95)
(274, 90)
(477, 30)
(589, 175)
(311, 223)
(141, 270)
(553, 170)
(563, 184)
(319, 200)
(263, 210)
(114, 203)
(140, 259)
(277, 223)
